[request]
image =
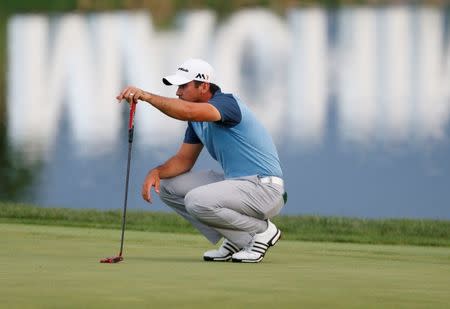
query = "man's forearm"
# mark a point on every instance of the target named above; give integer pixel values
(172, 167)
(175, 108)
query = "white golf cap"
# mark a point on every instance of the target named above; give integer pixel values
(192, 69)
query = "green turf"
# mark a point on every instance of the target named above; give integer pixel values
(57, 267)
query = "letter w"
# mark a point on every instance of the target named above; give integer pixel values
(80, 70)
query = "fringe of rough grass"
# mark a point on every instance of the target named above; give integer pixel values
(305, 228)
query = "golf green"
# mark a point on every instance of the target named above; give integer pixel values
(58, 267)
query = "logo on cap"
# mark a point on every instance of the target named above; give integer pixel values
(203, 76)
(183, 69)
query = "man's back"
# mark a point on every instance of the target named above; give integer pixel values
(239, 142)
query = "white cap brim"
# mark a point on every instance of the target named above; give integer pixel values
(175, 80)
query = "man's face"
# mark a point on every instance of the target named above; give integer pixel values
(189, 92)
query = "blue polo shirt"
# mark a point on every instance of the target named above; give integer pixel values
(238, 141)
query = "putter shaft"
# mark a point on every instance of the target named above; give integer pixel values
(119, 257)
(130, 143)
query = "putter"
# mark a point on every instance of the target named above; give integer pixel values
(119, 258)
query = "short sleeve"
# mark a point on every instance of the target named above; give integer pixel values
(190, 137)
(228, 108)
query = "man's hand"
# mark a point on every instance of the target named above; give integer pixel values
(131, 94)
(152, 180)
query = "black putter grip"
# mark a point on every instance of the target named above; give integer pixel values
(131, 123)
(130, 134)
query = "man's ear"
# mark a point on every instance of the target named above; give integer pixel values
(205, 88)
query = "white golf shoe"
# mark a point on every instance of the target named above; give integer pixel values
(255, 251)
(223, 253)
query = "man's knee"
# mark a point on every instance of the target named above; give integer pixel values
(168, 191)
(198, 204)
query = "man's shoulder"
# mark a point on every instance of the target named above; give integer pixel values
(222, 96)
(228, 107)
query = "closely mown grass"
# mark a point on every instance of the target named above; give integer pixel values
(58, 267)
(307, 228)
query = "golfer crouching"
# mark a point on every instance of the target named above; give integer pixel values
(236, 204)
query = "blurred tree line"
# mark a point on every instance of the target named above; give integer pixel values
(164, 11)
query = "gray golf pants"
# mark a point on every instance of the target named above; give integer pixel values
(234, 208)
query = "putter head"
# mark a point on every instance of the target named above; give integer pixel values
(111, 260)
